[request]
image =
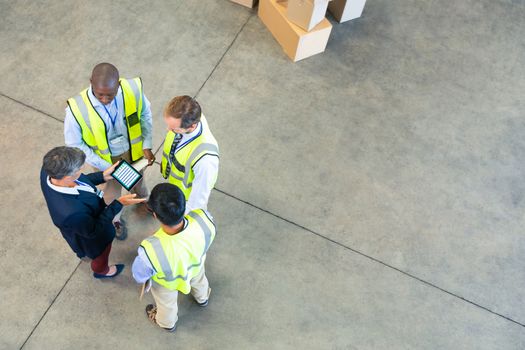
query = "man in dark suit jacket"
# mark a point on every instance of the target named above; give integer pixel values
(77, 208)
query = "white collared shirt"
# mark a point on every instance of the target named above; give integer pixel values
(116, 110)
(188, 137)
(71, 190)
(73, 133)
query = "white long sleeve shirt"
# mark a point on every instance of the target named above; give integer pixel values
(205, 171)
(73, 133)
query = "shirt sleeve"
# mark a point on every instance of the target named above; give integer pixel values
(141, 268)
(73, 138)
(91, 227)
(146, 124)
(205, 171)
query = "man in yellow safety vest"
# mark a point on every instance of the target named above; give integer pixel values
(110, 121)
(173, 258)
(190, 158)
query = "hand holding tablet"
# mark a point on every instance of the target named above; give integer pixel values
(126, 175)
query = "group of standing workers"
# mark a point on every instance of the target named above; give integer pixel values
(111, 121)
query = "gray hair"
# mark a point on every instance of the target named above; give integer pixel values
(63, 161)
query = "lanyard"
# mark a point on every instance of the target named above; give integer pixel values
(95, 190)
(177, 144)
(188, 141)
(113, 119)
(80, 183)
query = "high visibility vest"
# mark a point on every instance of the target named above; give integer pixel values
(179, 258)
(94, 131)
(181, 169)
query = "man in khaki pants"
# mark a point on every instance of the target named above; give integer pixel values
(110, 121)
(173, 258)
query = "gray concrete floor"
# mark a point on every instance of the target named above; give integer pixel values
(371, 197)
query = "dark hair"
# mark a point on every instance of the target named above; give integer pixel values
(63, 161)
(185, 108)
(168, 203)
(105, 74)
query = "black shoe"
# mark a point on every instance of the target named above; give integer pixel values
(120, 268)
(203, 304)
(151, 312)
(121, 230)
(172, 329)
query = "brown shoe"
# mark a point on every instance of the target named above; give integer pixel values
(151, 312)
(121, 230)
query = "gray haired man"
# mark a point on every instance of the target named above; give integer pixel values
(77, 207)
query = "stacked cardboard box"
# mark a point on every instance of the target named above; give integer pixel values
(247, 3)
(345, 10)
(298, 25)
(306, 13)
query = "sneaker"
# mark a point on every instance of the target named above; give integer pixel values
(151, 312)
(204, 303)
(121, 230)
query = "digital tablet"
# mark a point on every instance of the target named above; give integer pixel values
(126, 175)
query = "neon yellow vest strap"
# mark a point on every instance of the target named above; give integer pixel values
(133, 100)
(92, 126)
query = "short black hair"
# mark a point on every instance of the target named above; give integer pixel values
(168, 203)
(63, 161)
(105, 74)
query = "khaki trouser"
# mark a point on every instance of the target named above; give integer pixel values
(166, 300)
(113, 190)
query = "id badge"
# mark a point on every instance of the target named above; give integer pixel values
(100, 193)
(117, 140)
(133, 119)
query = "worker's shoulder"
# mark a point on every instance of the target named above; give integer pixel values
(152, 237)
(135, 79)
(77, 95)
(202, 213)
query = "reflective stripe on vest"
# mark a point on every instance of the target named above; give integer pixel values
(156, 252)
(133, 100)
(94, 131)
(188, 155)
(203, 148)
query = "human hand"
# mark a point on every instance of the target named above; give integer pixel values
(108, 171)
(129, 199)
(149, 156)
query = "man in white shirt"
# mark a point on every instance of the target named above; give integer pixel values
(191, 154)
(109, 121)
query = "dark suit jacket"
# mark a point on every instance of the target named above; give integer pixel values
(84, 219)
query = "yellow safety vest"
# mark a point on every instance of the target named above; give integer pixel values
(181, 172)
(94, 131)
(179, 258)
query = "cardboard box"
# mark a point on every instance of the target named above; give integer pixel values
(306, 13)
(345, 10)
(247, 3)
(295, 41)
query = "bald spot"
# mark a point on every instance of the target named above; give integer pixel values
(105, 75)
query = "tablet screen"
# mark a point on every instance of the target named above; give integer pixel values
(126, 175)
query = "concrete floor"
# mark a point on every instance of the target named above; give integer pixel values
(371, 197)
